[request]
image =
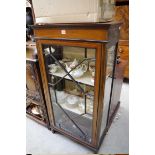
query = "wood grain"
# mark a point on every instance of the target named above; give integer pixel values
(123, 52)
(122, 14)
(101, 93)
(87, 34)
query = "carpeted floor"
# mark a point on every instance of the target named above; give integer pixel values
(40, 140)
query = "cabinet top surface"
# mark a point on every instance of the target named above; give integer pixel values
(77, 25)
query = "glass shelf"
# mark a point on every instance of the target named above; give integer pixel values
(85, 79)
(78, 108)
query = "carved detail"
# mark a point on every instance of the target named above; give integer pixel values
(35, 95)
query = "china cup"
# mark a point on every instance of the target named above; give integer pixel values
(76, 71)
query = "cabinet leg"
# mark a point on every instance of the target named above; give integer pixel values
(53, 131)
(95, 152)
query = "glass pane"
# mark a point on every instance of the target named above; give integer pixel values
(71, 73)
(109, 71)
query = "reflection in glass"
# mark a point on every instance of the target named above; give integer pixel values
(109, 71)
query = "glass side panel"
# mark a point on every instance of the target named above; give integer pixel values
(107, 90)
(71, 74)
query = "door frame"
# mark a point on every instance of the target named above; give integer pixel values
(98, 80)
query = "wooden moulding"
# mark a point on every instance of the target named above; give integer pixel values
(77, 25)
(85, 34)
(81, 31)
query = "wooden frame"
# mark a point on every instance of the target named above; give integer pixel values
(51, 34)
(97, 46)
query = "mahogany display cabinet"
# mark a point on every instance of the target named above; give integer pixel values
(35, 101)
(82, 78)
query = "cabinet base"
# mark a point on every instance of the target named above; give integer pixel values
(56, 130)
(95, 150)
(53, 131)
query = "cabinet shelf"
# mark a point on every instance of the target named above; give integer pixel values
(85, 79)
(62, 101)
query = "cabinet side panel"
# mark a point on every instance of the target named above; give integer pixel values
(117, 86)
(109, 62)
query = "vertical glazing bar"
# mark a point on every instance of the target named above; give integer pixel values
(68, 74)
(69, 116)
(85, 101)
(85, 97)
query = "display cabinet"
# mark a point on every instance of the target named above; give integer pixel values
(35, 102)
(82, 78)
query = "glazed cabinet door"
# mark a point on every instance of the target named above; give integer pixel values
(70, 72)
